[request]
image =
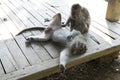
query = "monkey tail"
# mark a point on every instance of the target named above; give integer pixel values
(31, 28)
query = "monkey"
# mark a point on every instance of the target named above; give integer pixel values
(76, 46)
(79, 19)
(59, 34)
(52, 26)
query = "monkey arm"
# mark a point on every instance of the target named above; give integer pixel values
(67, 22)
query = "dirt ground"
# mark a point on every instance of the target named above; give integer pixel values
(92, 70)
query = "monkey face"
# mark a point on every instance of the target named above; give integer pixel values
(75, 10)
(76, 7)
(78, 48)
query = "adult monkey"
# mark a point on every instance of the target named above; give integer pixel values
(79, 19)
(58, 34)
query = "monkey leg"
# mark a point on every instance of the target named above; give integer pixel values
(42, 37)
(64, 59)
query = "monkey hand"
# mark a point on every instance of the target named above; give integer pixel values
(69, 38)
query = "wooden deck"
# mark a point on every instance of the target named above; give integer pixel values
(41, 59)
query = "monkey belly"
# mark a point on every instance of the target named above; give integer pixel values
(61, 35)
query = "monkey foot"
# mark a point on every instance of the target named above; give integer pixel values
(62, 69)
(29, 39)
(27, 43)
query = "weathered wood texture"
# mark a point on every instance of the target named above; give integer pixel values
(113, 11)
(18, 61)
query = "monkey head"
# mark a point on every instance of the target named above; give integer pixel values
(78, 48)
(76, 8)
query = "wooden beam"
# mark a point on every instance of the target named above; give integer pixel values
(113, 10)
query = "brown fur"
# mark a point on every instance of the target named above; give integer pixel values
(79, 19)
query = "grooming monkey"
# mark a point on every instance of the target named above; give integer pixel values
(79, 19)
(58, 34)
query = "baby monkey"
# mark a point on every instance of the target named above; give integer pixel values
(79, 19)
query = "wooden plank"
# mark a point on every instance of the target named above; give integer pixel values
(8, 66)
(34, 75)
(32, 12)
(51, 9)
(5, 52)
(38, 48)
(51, 49)
(106, 38)
(17, 54)
(1, 69)
(41, 11)
(19, 24)
(28, 52)
(26, 13)
(111, 26)
(2, 29)
(107, 31)
(42, 53)
(43, 56)
(113, 10)
(48, 45)
(60, 7)
(34, 72)
(12, 46)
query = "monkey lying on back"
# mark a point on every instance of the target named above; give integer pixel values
(76, 46)
(79, 19)
(58, 34)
